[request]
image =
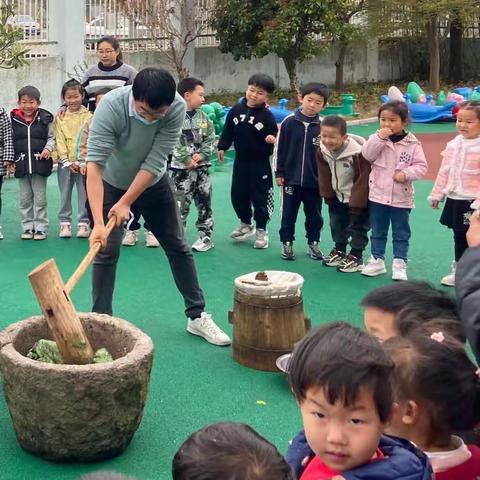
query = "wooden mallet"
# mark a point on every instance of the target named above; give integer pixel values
(57, 307)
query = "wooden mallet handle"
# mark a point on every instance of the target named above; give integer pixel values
(87, 260)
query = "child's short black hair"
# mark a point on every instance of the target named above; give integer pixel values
(261, 80)
(29, 91)
(103, 91)
(342, 359)
(397, 107)
(229, 450)
(414, 298)
(439, 373)
(314, 87)
(188, 84)
(72, 85)
(335, 121)
(155, 86)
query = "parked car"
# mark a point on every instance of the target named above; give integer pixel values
(26, 23)
(115, 26)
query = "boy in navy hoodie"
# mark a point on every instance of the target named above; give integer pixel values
(342, 381)
(296, 170)
(33, 142)
(251, 127)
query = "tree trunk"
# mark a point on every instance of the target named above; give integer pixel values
(339, 64)
(433, 52)
(291, 67)
(455, 68)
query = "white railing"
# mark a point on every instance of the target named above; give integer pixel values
(31, 17)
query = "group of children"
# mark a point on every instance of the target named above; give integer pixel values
(398, 400)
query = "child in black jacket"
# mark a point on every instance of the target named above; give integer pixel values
(251, 127)
(296, 170)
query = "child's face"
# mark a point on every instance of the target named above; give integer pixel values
(468, 124)
(391, 120)
(256, 96)
(331, 138)
(28, 105)
(379, 323)
(312, 104)
(73, 99)
(196, 98)
(343, 437)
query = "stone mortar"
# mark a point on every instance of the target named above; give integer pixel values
(77, 413)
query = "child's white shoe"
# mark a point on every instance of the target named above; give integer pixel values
(399, 269)
(151, 240)
(65, 230)
(83, 230)
(130, 239)
(374, 267)
(449, 280)
(1, 233)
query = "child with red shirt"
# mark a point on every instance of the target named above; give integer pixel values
(342, 380)
(437, 389)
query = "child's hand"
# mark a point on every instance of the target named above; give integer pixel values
(280, 181)
(192, 165)
(10, 168)
(74, 168)
(434, 204)
(45, 154)
(221, 156)
(473, 233)
(196, 157)
(399, 176)
(83, 170)
(270, 139)
(384, 133)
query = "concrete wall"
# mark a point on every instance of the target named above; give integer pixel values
(46, 74)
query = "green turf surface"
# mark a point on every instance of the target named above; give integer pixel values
(193, 383)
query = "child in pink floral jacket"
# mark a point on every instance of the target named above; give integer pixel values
(458, 180)
(397, 160)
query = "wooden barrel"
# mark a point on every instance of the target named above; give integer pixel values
(265, 328)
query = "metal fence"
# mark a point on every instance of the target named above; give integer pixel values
(31, 17)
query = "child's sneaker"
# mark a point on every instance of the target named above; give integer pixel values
(351, 264)
(203, 243)
(334, 258)
(287, 251)
(27, 235)
(374, 267)
(399, 269)
(130, 238)
(83, 230)
(449, 280)
(151, 240)
(314, 252)
(261, 239)
(1, 234)
(243, 232)
(39, 235)
(65, 230)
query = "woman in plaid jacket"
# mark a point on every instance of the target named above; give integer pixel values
(6, 151)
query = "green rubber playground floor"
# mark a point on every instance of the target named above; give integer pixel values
(193, 383)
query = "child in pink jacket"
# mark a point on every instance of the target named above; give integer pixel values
(459, 180)
(397, 160)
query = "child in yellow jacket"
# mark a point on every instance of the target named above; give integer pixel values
(70, 172)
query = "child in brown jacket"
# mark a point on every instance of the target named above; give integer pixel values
(343, 183)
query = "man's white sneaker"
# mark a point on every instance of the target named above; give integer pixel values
(130, 239)
(205, 327)
(243, 232)
(449, 280)
(374, 267)
(261, 238)
(65, 230)
(83, 230)
(399, 269)
(151, 240)
(203, 243)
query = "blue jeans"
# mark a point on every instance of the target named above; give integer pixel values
(380, 218)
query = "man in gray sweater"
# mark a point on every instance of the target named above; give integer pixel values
(133, 131)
